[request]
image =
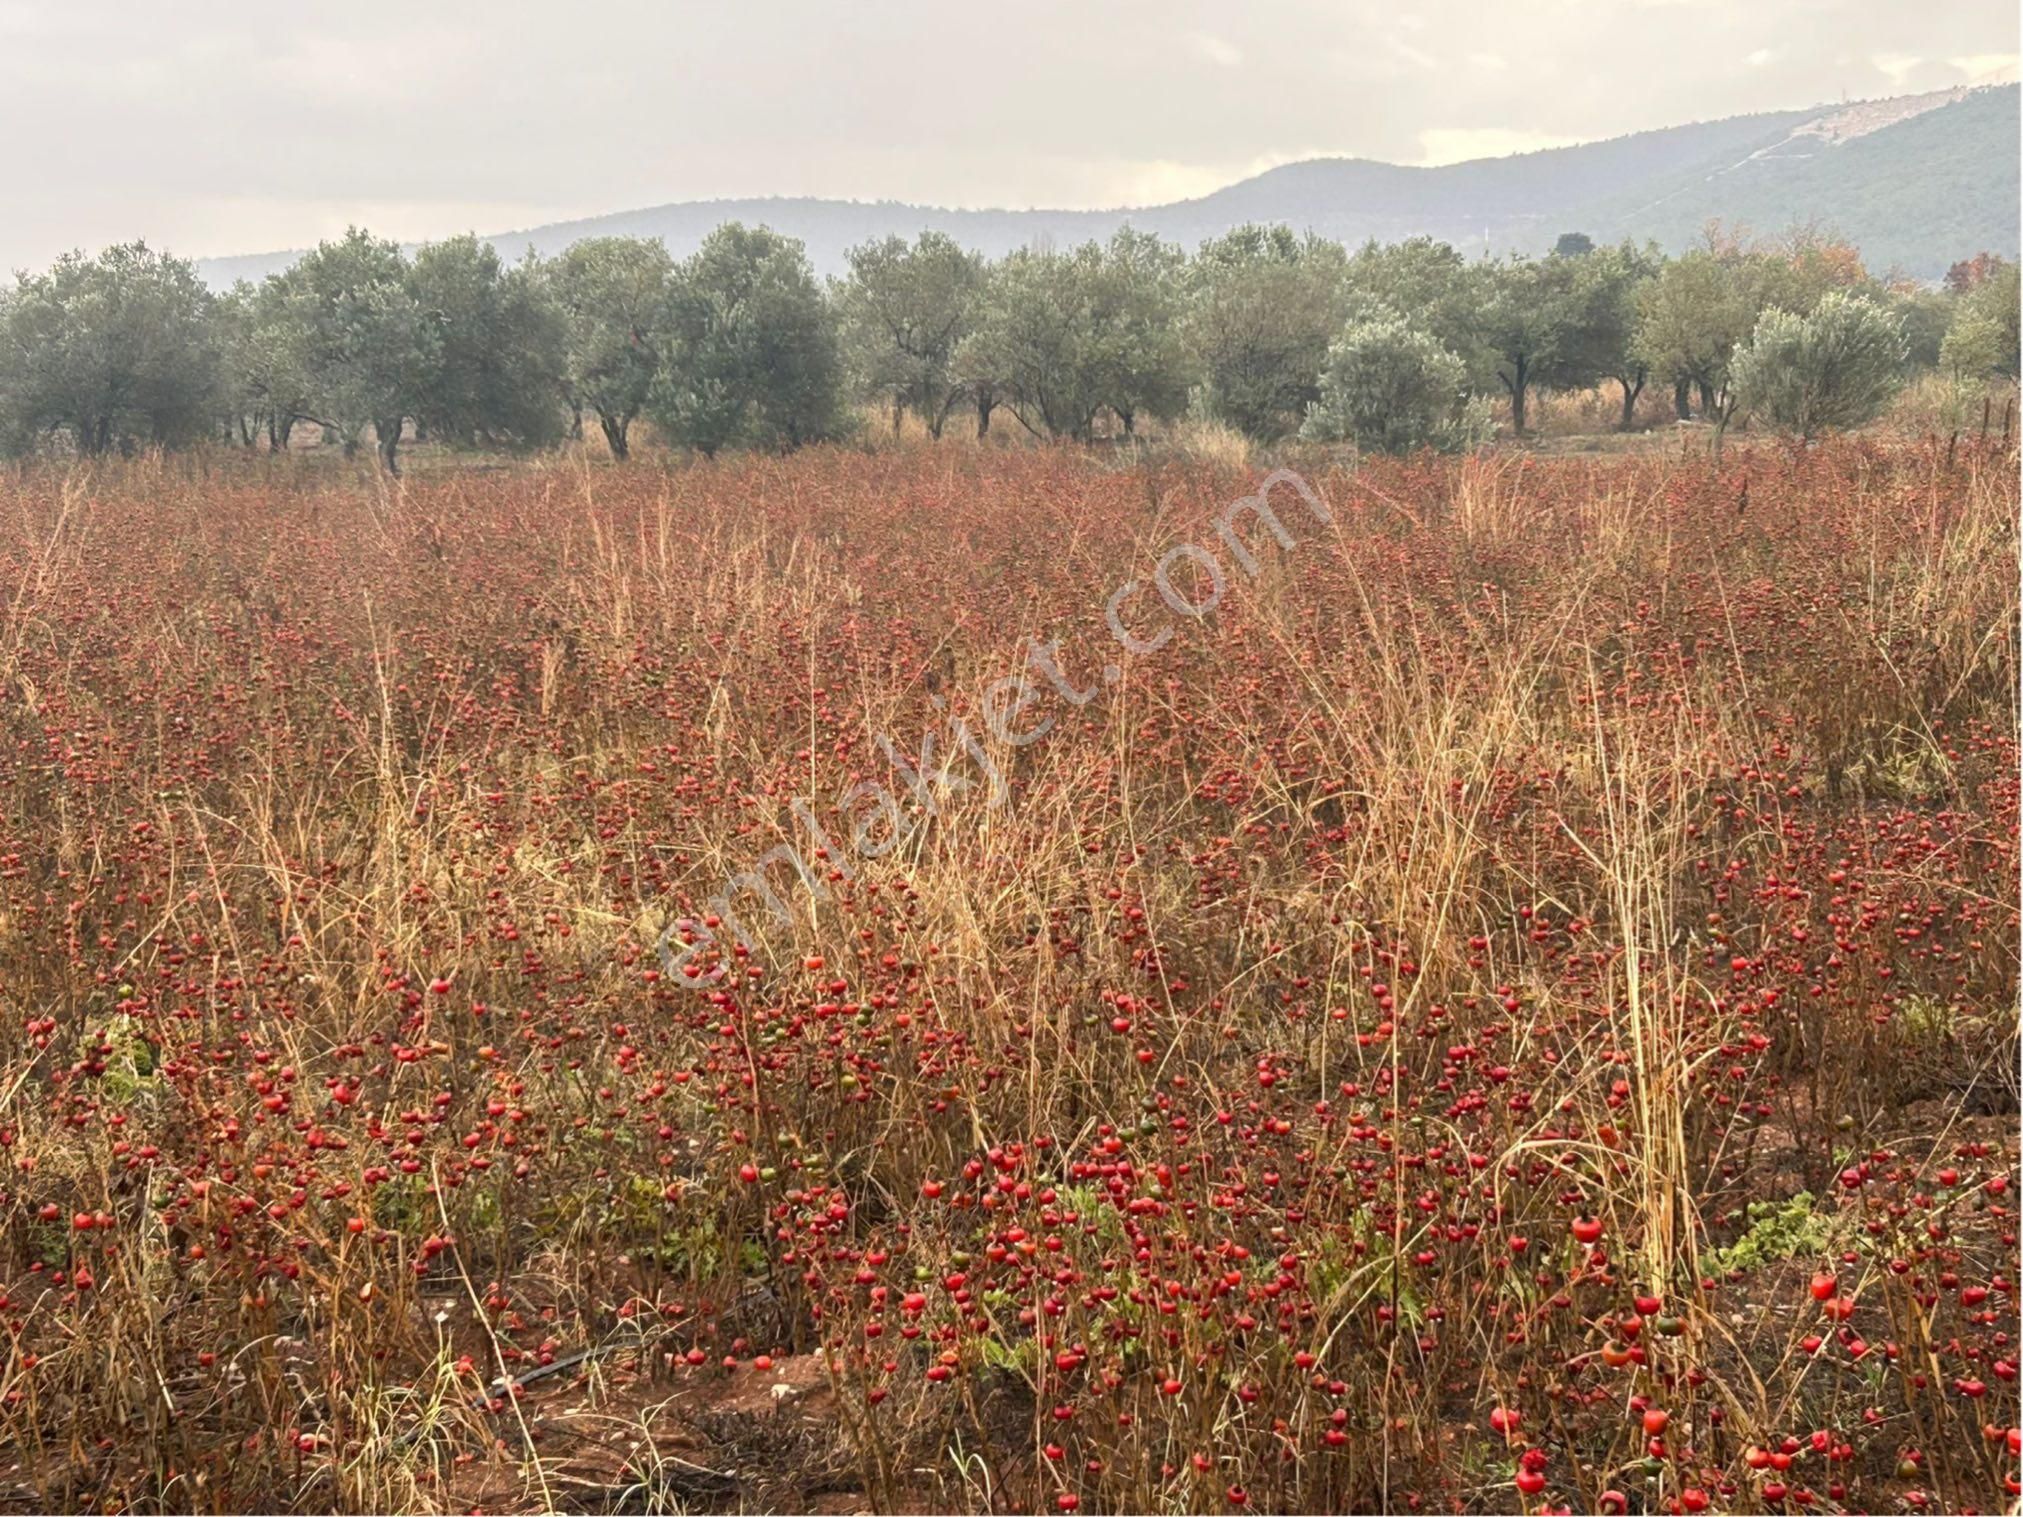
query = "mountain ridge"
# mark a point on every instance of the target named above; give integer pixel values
(1915, 182)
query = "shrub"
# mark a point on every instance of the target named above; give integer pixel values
(1391, 388)
(1834, 368)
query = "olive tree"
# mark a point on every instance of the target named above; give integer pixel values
(1833, 367)
(264, 358)
(1534, 320)
(493, 374)
(904, 310)
(1430, 283)
(750, 356)
(113, 352)
(1133, 293)
(1065, 336)
(1608, 283)
(611, 294)
(1031, 350)
(363, 340)
(1390, 387)
(1690, 320)
(1263, 306)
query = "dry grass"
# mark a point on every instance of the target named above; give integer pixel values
(1189, 1109)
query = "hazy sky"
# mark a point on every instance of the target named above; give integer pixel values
(217, 128)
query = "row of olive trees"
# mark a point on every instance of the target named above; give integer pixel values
(736, 346)
(1402, 346)
(1796, 333)
(1392, 347)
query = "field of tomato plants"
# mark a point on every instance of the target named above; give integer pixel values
(1514, 1007)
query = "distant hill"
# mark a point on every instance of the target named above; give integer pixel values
(1915, 182)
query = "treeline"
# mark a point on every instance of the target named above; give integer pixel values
(1393, 347)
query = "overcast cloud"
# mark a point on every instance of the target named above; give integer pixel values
(214, 128)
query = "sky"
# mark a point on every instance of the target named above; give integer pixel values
(211, 128)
